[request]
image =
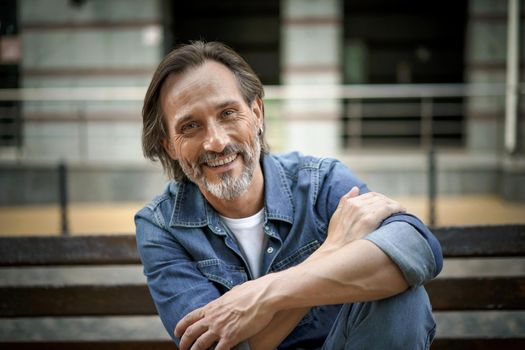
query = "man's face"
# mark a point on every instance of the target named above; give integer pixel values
(212, 132)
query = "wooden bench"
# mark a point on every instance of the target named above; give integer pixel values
(458, 294)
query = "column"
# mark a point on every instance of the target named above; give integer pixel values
(312, 36)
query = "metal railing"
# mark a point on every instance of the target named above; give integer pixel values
(423, 105)
(420, 112)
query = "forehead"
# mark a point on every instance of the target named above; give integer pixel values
(203, 84)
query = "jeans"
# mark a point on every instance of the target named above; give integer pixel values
(402, 322)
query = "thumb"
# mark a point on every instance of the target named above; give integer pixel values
(354, 192)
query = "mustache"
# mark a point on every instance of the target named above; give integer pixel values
(230, 148)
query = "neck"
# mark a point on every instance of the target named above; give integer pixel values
(249, 203)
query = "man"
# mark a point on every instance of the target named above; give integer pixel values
(250, 250)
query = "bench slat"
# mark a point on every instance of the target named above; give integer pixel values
(438, 344)
(494, 293)
(478, 344)
(472, 241)
(92, 344)
(446, 294)
(482, 241)
(72, 250)
(483, 293)
(101, 300)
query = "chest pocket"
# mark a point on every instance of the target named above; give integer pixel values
(296, 257)
(226, 275)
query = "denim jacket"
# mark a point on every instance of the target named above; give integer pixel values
(190, 257)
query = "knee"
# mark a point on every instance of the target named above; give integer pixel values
(411, 307)
(403, 321)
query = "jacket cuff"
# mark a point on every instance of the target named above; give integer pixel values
(407, 249)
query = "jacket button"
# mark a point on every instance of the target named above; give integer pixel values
(269, 250)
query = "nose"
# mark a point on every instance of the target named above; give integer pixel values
(216, 138)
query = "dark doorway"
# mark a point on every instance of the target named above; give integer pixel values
(10, 121)
(252, 28)
(404, 42)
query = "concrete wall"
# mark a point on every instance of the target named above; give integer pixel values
(95, 44)
(392, 174)
(38, 183)
(486, 54)
(117, 43)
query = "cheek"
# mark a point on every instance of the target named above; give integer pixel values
(187, 150)
(254, 133)
(248, 130)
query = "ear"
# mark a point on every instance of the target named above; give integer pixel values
(169, 149)
(258, 110)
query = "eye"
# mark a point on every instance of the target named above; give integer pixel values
(188, 127)
(228, 113)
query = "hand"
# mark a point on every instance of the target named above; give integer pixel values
(228, 320)
(358, 215)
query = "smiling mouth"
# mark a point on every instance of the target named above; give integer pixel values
(215, 163)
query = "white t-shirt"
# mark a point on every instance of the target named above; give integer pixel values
(250, 235)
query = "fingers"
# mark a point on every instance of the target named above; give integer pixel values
(392, 205)
(358, 215)
(222, 345)
(205, 341)
(370, 208)
(187, 321)
(374, 198)
(396, 207)
(381, 206)
(193, 335)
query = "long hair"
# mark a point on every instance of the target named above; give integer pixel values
(178, 61)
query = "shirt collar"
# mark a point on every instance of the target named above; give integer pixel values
(191, 209)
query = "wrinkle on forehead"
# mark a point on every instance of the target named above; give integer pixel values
(212, 77)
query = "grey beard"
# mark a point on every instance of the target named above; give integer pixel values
(229, 187)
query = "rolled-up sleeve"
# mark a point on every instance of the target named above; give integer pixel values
(337, 180)
(408, 249)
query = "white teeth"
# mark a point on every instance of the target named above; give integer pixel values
(219, 162)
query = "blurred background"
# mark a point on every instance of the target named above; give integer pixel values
(392, 88)
(423, 100)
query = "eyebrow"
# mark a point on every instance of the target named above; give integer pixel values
(184, 118)
(227, 103)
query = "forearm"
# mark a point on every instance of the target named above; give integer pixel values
(284, 321)
(281, 325)
(358, 271)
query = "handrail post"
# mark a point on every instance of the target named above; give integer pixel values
(83, 144)
(427, 127)
(354, 128)
(432, 186)
(512, 88)
(62, 194)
